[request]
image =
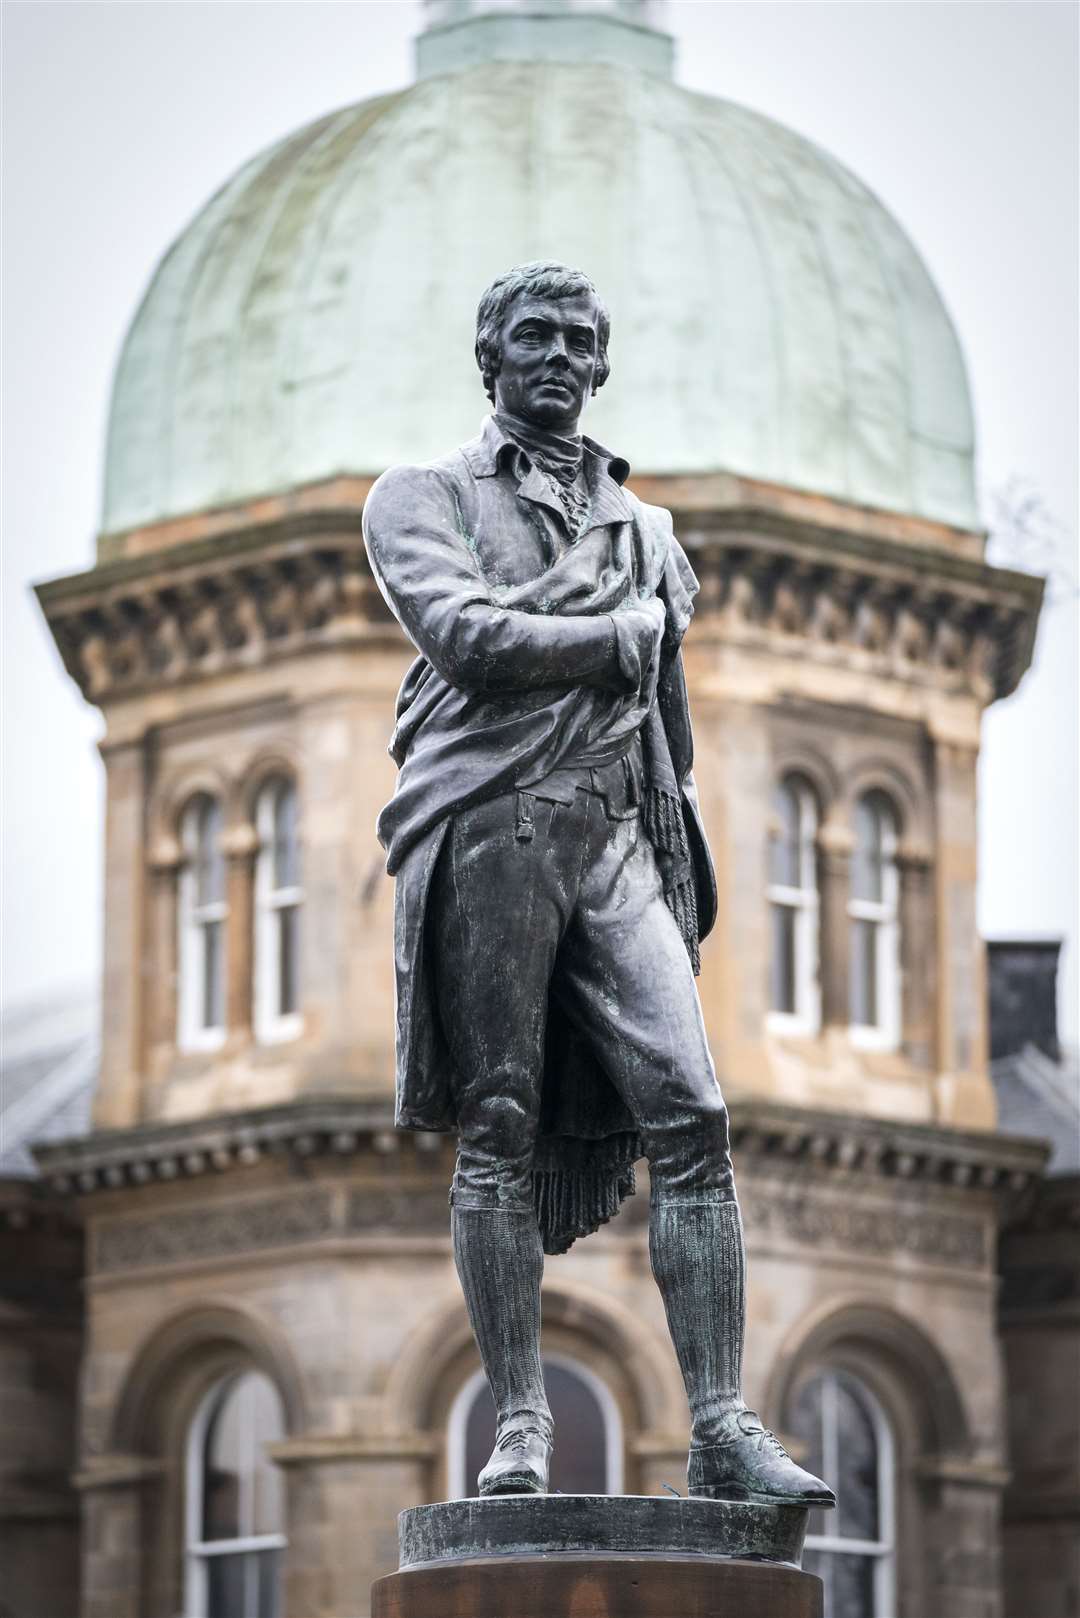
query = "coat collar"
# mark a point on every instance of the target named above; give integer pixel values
(605, 473)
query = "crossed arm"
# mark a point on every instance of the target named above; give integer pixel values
(423, 567)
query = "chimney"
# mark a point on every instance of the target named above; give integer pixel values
(1023, 995)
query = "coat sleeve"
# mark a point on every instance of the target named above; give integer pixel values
(425, 570)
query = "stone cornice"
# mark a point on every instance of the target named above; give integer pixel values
(784, 1135)
(119, 1472)
(687, 494)
(774, 1136)
(960, 1469)
(890, 609)
(110, 1159)
(298, 580)
(214, 605)
(326, 1447)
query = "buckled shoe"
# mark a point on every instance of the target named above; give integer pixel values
(519, 1463)
(752, 1465)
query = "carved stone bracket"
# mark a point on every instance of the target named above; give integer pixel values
(930, 1236)
(200, 609)
(895, 611)
(783, 1140)
(789, 1138)
(273, 589)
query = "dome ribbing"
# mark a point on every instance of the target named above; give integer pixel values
(769, 317)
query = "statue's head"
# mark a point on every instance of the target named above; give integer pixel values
(541, 343)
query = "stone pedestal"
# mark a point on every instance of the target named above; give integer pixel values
(598, 1556)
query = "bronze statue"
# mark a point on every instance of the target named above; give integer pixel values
(553, 880)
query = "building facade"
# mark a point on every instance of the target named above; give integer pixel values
(274, 1352)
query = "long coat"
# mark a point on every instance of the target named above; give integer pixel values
(524, 666)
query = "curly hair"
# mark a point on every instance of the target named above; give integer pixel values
(541, 279)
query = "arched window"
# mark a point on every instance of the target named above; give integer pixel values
(849, 1443)
(794, 988)
(874, 909)
(235, 1505)
(588, 1441)
(202, 914)
(277, 913)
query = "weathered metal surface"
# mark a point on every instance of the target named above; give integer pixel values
(584, 1524)
(543, 31)
(599, 1587)
(293, 331)
(553, 882)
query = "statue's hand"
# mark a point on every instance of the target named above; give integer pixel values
(653, 615)
(639, 631)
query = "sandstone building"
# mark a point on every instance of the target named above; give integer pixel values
(274, 1352)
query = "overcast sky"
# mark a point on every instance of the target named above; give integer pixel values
(120, 120)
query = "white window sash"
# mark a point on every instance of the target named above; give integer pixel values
(883, 1550)
(847, 1547)
(192, 1033)
(806, 1018)
(238, 1547)
(883, 1035)
(197, 1551)
(272, 1026)
(804, 902)
(884, 914)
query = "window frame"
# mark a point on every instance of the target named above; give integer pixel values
(193, 919)
(458, 1419)
(884, 915)
(882, 1549)
(272, 1026)
(805, 902)
(198, 1551)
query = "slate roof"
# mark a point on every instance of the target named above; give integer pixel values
(50, 1050)
(1040, 1098)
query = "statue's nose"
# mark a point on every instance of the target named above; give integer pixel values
(557, 351)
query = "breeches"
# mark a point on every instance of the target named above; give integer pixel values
(575, 916)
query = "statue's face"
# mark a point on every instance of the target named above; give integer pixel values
(549, 348)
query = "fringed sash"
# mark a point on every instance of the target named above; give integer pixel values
(665, 828)
(578, 1185)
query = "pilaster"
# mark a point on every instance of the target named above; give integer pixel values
(118, 1097)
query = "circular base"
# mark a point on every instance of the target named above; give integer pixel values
(598, 1525)
(599, 1587)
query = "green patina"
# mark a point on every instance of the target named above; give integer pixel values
(770, 318)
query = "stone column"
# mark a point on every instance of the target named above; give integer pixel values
(834, 875)
(241, 847)
(160, 984)
(343, 1498)
(113, 1534)
(918, 949)
(734, 770)
(965, 1097)
(118, 1096)
(963, 1575)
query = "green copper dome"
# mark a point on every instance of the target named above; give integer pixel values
(769, 317)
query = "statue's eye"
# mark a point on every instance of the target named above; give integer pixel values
(530, 335)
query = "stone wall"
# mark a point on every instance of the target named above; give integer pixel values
(41, 1327)
(1040, 1335)
(328, 1266)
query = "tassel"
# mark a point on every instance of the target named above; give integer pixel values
(574, 1201)
(666, 831)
